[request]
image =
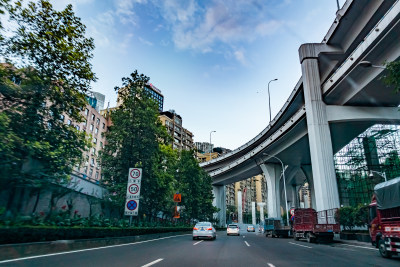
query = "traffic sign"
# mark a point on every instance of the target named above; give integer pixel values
(133, 189)
(131, 207)
(177, 197)
(292, 212)
(135, 173)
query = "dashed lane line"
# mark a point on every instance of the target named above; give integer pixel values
(152, 263)
(299, 245)
(197, 243)
(271, 265)
(247, 243)
(357, 246)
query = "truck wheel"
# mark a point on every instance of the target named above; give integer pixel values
(383, 251)
(309, 238)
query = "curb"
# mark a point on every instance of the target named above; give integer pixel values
(13, 251)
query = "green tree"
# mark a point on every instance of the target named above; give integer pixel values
(393, 76)
(137, 139)
(45, 78)
(195, 186)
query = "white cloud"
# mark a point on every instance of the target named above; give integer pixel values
(145, 42)
(225, 23)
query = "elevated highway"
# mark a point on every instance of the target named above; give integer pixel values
(334, 101)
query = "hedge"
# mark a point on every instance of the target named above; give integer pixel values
(26, 234)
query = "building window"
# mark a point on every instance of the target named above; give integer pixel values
(61, 117)
(92, 162)
(77, 127)
(101, 144)
(95, 140)
(90, 172)
(91, 127)
(93, 117)
(69, 122)
(86, 112)
(104, 125)
(96, 130)
(96, 175)
(85, 170)
(84, 123)
(93, 153)
(98, 121)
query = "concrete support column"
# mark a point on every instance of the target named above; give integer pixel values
(261, 205)
(272, 173)
(240, 207)
(323, 170)
(308, 174)
(219, 202)
(253, 213)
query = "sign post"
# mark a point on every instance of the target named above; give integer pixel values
(177, 199)
(133, 192)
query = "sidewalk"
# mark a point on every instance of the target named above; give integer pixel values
(353, 242)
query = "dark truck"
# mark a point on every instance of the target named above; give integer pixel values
(315, 226)
(384, 218)
(275, 228)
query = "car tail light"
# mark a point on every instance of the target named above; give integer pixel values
(209, 229)
(195, 228)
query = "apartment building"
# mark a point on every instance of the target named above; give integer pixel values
(182, 138)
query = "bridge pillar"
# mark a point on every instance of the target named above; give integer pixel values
(219, 202)
(319, 136)
(308, 174)
(272, 173)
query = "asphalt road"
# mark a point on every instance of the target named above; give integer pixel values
(248, 249)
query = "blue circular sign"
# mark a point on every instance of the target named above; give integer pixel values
(131, 205)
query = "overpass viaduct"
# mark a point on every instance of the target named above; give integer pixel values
(332, 103)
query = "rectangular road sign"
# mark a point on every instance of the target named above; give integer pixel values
(131, 207)
(133, 191)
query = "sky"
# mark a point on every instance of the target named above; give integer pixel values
(212, 59)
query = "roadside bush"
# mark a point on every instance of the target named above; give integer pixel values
(350, 217)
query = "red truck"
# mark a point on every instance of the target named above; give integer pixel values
(384, 218)
(315, 225)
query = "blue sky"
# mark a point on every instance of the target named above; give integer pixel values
(211, 59)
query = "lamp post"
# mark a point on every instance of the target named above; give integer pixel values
(269, 99)
(210, 143)
(367, 64)
(383, 174)
(284, 184)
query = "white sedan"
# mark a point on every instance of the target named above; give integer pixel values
(204, 230)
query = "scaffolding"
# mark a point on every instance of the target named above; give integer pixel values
(365, 161)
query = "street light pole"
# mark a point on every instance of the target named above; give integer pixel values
(269, 99)
(367, 64)
(210, 143)
(284, 184)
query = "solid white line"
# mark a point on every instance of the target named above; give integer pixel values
(271, 265)
(247, 243)
(87, 249)
(299, 245)
(243, 236)
(197, 242)
(152, 263)
(358, 246)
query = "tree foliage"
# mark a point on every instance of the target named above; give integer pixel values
(393, 76)
(195, 186)
(137, 139)
(45, 77)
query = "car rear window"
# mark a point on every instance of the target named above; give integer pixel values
(233, 226)
(203, 224)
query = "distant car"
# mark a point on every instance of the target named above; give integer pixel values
(250, 228)
(233, 229)
(204, 230)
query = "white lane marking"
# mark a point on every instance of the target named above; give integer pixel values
(87, 249)
(152, 263)
(247, 243)
(197, 242)
(358, 246)
(243, 236)
(299, 245)
(271, 265)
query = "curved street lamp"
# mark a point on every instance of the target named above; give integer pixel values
(269, 99)
(284, 184)
(210, 143)
(368, 64)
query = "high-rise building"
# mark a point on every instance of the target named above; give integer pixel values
(182, 138)
(96, 100)
(154, 94)
(204, 147)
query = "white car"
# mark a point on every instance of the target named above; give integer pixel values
(233, 229)
(204, 230)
